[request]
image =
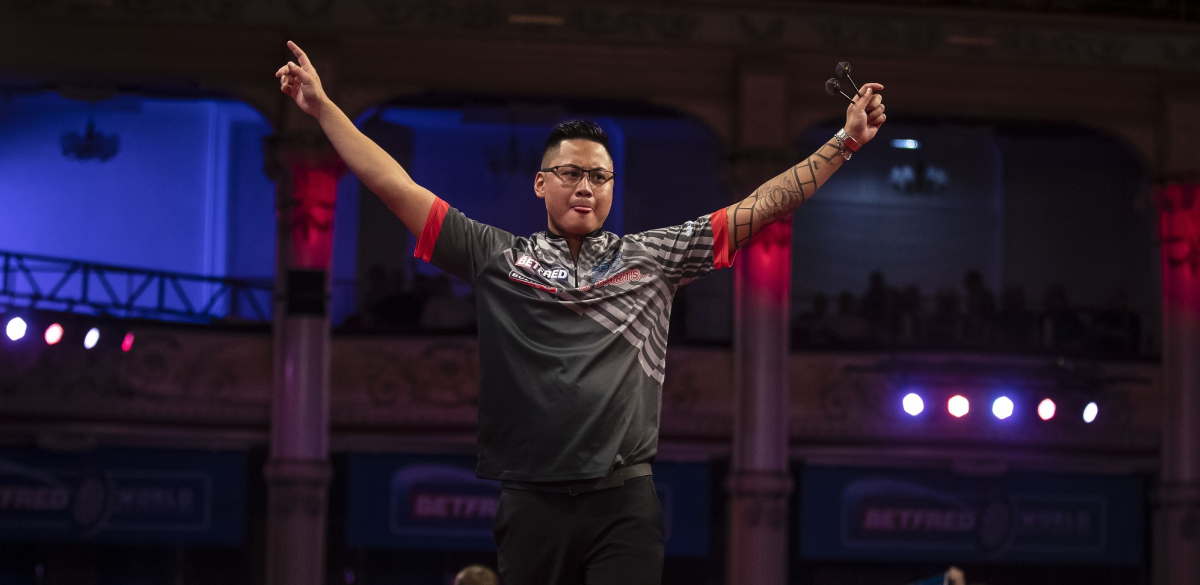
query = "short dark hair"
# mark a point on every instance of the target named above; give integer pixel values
(575, 130)
(476, 575)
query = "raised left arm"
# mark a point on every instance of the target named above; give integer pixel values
(778, 197)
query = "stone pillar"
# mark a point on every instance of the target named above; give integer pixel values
(1176, 540)
(760, 483)
(297, 471)
(1177, 527)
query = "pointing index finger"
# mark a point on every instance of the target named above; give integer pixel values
(301, 58)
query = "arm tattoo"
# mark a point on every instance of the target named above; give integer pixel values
(783, 194)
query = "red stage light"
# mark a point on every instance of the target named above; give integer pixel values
(54, 334)
(958, 405)
(1047, 409)
(127, 343)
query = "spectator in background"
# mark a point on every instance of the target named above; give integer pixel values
(1062, 330)
(1016, 325)
(877, 307)
(811, 329)
(945, 324)
(442, 311)
(848, 327)
(476, 575)
(910, 316)
(1117, 329)
(980, 310)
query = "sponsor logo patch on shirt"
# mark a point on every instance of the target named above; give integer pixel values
(552, 273)
(621, 278)
(521, 278)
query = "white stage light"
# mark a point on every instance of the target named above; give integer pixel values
(92, 338)
(1002, 407)
(913, 404)
(16, 328)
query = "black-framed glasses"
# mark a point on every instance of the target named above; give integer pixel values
(571, 174)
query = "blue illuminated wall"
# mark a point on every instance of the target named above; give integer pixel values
(185, 192)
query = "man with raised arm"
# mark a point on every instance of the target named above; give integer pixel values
(573, 334)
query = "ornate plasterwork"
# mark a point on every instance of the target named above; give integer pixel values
(387, 385)
(966, 35)
(856, 397)
(169, 376)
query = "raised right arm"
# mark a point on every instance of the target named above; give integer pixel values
(370, 163)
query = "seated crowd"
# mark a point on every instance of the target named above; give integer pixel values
(887, 317)
(884, 317)
(426, 304)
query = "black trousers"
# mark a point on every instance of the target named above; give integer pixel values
(612, 536)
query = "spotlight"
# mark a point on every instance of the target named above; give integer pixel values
(54, 334)
(1046, 409)
(913, 404)
(958, 406)
(1002, 407)
(906, 143)
(127, 343)
(92, 338)
(16, 328)
(1090, 411)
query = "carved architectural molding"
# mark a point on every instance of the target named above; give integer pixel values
(403, 385)
(857, 397)
(169, 376)
(847, 29)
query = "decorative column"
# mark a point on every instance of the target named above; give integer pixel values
(1177, 517)
(760, 481)
(297, 471)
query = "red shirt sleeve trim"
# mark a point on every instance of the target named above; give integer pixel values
(720, 227)
(433, 226)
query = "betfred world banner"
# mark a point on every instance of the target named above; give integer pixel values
(437, 503)
(932, 516)
(123, 496)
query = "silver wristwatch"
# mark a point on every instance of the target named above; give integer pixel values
(841, 137)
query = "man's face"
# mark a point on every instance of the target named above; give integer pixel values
(580, 208)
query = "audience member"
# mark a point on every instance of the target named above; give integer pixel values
(812, 329)
(876, 307)
(848, 327)
(980, 310)
(477, 575)
(1016, 325)
(1116, 327)
(1062, 330)
(910, 316)
(945, 324)
(442, 311)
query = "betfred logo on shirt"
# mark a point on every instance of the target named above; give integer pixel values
(527, 261)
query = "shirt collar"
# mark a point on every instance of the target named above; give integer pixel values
(593, 234)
